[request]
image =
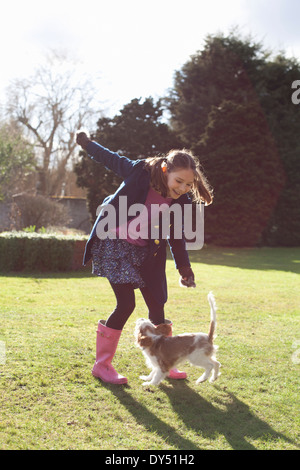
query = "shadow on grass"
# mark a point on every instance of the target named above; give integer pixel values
(148, 420)
(229, 417)
(265, 258)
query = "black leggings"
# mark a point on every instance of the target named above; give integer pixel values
(126, 304)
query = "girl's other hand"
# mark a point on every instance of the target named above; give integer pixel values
(187, 277)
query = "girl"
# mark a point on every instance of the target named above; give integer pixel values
(130, 262)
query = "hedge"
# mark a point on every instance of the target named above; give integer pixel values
(23, 251)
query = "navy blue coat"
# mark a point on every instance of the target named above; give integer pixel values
(135, 185)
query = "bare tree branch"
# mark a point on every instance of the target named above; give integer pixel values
(52, 106)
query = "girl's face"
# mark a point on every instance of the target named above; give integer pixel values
(179, 182)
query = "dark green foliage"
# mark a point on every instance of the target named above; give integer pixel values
(223, 70)
(243, 165)
(137, 131)
(22, 251)
(283, 118)
(258, 134)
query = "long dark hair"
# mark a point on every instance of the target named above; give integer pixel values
(173, 161)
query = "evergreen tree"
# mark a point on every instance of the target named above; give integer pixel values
(244, 167)
(239, 71)
(223, 70)
(283, 118)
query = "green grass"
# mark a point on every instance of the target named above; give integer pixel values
(50, 400)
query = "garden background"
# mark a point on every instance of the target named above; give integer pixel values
(231, 103)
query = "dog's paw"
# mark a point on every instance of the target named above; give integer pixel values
(146, 384)
(201, 379)
(144, 377)
(214, 378)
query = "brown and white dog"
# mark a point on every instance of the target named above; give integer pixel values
(163, 352)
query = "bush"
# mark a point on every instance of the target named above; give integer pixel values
(37, 211)
(26, 251)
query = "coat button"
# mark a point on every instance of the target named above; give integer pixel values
(156, 242)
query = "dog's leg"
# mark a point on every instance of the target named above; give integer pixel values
(208, 368)
(157, 377)
(147, 377)
(215, 373)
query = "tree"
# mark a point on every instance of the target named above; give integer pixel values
(17, 160)
(223, 70)
(283, 119)
(239, 71)
(243, 165)
(137, 132)
(52, 106)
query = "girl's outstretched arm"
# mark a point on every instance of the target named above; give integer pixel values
(120, 165)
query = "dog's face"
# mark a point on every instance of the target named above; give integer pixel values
(145, 331)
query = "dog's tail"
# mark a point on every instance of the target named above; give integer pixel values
(213, 316)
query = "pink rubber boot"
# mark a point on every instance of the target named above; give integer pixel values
(106, 346)
(175, 373)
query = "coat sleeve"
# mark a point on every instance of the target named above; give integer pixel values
(178, 245)
(179, 252)
(120, 165)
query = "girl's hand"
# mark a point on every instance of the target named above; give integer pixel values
(187, 277)
(82, 139)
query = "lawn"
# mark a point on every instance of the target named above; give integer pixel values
(50, 400)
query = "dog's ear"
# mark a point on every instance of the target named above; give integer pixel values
(163, 329)
(144, 341)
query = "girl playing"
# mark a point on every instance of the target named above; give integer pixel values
(130, 262)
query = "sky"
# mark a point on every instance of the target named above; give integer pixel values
(131, 48)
